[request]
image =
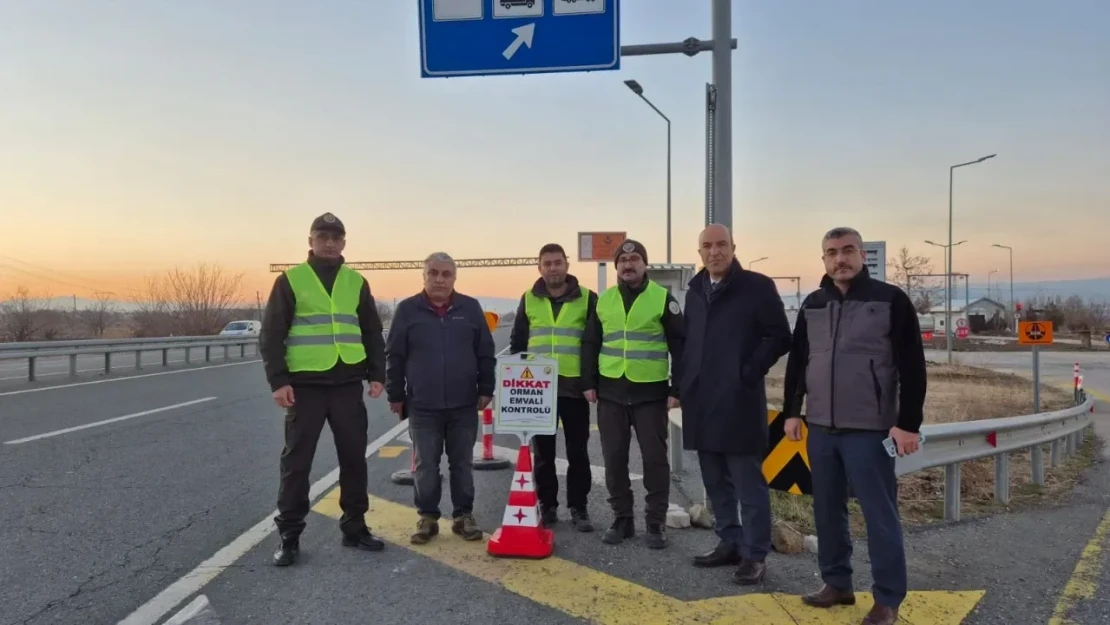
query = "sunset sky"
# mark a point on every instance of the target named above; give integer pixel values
(138, 135)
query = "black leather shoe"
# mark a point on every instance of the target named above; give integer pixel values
(656, 536)
(622, 528)
(288, 551)
(723, 554)
(749, 572)
(363, 540)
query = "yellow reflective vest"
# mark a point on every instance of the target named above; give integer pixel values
(633, 345)
(325, 327)
(559, 338)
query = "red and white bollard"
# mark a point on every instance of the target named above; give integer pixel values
(487, 461)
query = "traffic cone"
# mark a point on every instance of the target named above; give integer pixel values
(487, 461)
(520, 534)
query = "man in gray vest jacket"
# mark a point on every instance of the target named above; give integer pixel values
(858, 364)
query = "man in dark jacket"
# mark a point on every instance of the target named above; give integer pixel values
(858, 364)
(440, 373)
(321, 338)
(638, 325)
(736, 330)
(551, 320)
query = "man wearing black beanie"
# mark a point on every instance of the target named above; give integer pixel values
(637, 326)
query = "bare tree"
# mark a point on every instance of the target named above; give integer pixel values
(200, 301)
(22, 315)
(905, 271)
(98, 316)
(385, 312)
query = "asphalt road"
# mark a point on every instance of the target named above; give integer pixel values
(55, 369)
(1056, 367)
(116, 520)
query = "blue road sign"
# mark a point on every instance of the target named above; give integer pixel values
(1108, 338)
(488, 37)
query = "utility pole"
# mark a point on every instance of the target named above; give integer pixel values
(721, 45)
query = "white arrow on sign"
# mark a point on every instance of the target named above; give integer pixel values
(523, 38)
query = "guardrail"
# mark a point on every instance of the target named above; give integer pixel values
(33, 351)
(949, 445)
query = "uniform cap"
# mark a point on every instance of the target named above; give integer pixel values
(628, 247)
(328, 222)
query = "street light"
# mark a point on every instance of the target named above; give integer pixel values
(948, 292)
(750, 263)
(638, 90)
(1012, 310)
(948, 278)
(989, 274)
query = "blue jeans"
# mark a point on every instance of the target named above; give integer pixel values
(432, 433)
(857, 457)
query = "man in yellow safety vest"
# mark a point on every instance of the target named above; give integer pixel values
(551, 320)
(321, 339)
(639, 324)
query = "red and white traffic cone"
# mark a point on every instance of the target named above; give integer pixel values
(487, 461)
(521, 534)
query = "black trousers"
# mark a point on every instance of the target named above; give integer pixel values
(738, 478)
(574, 412)
(615, 423)
(344, 409)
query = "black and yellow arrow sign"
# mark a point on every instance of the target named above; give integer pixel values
(786, 466)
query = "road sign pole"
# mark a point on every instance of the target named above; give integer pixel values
(722, 77)
(1036, 379)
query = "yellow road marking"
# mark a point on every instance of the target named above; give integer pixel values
(392, 451)
(584, 593)
(1083, 583)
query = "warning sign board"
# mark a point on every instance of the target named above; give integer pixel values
(1035, 332)
(527, 385)
(786, 466)
(599, 247)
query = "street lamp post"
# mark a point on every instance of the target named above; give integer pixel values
(989, 274)
(948, 278)
(948, 291)
(750, 263)
(639, 90)
(1012, 303)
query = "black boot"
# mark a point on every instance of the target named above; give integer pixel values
(580, 519)
(549, 515)
(622, 528)
(363, 539)
(288, 551)
(656, 537)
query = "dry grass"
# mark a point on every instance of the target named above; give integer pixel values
(958, 393)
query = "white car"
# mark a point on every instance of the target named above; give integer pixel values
(242, 328)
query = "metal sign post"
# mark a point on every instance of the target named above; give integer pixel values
(1035, 333)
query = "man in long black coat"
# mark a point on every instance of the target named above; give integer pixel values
(737, 331)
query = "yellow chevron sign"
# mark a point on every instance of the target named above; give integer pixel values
(786, 466)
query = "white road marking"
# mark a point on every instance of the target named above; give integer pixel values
(195, 607)
(66, 372)
(107, 421)
(150, 612)
(124, 379)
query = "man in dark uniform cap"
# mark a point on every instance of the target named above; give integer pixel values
(637, 326)
(321, 338)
